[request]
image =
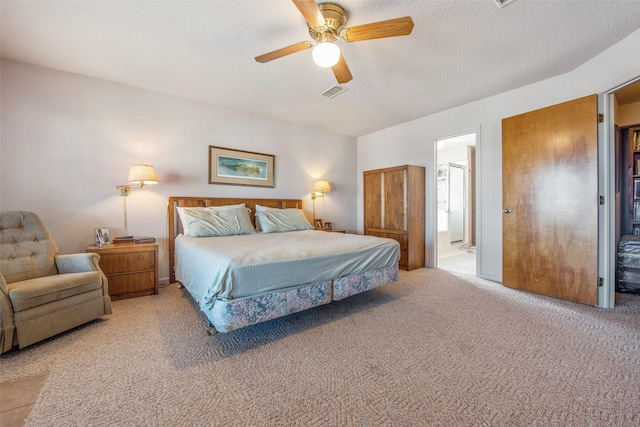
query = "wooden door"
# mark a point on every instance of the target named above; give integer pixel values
(550, 201)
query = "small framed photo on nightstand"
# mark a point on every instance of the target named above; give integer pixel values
(103, 236)
(328, 226)
(319, 224)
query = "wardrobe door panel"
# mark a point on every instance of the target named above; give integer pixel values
(394, 200)
(373, 200)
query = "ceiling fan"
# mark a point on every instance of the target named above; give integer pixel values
(326, 25)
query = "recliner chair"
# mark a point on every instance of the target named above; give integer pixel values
(42, 293)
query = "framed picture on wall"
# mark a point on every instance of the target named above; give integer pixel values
(236, 167)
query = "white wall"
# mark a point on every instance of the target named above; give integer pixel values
(68, 140)
(413, 142)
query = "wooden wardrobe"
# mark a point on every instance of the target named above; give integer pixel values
(394, 201)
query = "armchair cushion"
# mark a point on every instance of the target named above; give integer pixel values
(43, 290)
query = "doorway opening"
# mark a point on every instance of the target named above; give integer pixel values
(456, 203)
(622, 110)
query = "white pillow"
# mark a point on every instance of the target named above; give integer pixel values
(226, 222)
(182, 211)
(260, 208)
(281, 220)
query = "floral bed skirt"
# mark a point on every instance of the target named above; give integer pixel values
(229, 315)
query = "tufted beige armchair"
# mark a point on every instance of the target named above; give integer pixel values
(42, 293)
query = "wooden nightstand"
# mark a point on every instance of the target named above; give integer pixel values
(131, 268)
(335, 231)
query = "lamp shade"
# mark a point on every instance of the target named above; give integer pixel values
(326, 54)
(142, 174)
(321, 185)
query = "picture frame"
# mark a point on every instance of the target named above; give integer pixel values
(319, 224)
(237, 167)
(328, 226)
(103, 236)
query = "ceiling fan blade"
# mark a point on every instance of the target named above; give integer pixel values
(311, 12)
(284, 52)
(341, 71)
(378, 30)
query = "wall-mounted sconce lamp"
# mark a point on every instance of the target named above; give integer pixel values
(139, 175)
(320, 187)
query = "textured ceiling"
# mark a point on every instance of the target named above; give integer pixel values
(459, 51)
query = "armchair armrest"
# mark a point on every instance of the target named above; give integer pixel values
(77, 263)
(6, 318)
(81, 263)
(3, 285)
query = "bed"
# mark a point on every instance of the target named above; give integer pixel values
(241, 278)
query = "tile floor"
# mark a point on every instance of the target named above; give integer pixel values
(461, 261)
(17, 397)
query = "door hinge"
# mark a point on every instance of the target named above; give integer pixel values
(600, 281)
(601, 200)
(600, 118)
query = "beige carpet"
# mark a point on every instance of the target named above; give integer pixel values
(431, 349)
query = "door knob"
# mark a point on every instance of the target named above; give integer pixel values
(506, 210)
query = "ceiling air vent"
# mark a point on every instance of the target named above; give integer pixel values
(503, 3)
(334, 91)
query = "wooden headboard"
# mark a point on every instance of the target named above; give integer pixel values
(175, 226)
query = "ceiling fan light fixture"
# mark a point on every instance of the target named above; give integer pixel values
(326, 54)
(326, 23)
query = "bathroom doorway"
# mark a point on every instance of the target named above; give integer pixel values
(455, 195)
